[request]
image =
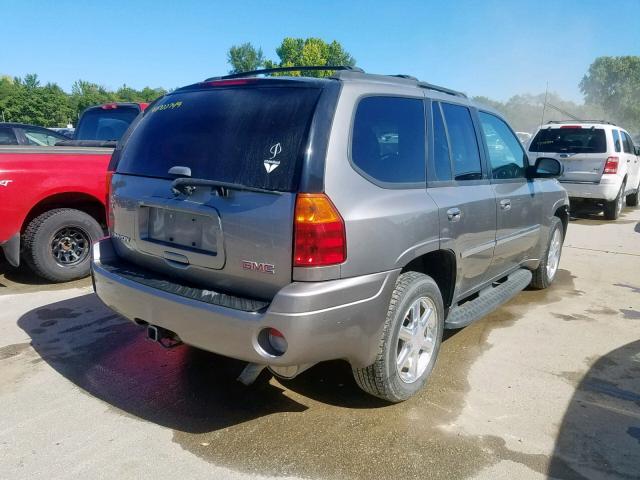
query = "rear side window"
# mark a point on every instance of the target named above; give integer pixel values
(569, 139)
(105, 124)
(7, 137)
(463, 141)
(252, 136)
(389, 139)
(616, 141)
(441, 158)
(628, 143)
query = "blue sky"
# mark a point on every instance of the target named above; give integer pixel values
(491, 47)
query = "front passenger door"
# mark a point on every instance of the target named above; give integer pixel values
(519, 201)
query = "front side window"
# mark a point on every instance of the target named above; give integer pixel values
(464, 145)
(388, 141)
(505, 151)
(616, 141)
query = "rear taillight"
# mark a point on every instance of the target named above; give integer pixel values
(107, 203)
(611, 166)
(319, 234)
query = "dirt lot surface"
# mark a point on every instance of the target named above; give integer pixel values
(547, 386)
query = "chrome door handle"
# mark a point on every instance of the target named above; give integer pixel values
(454, 214)
(505, 204)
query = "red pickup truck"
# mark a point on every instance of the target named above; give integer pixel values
(52, 199)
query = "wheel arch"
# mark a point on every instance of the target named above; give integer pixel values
(76, 200)
(439, 265)
(563, 214)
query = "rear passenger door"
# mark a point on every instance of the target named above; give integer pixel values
(519, 201)
(458, 184)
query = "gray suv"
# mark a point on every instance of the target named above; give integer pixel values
(286, 221)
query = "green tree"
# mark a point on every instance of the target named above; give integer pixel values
(295, 52)
(244, 58)
(614, 84)
(24, 100)
(86, 94)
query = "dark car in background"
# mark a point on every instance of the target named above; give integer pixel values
(24, 134)
(107, 122)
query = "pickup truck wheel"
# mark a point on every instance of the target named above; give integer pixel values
(57, 244)
(410, 341)
(613, 208)
(634, 198)
(546, 271)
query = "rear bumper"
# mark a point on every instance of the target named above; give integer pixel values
(320, 320)
(607, 189)
(11, 249)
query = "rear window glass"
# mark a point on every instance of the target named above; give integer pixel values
(250, 136)
(569, 140)
(99, 124)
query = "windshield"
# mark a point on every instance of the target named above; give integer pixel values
(253, 136)
(569, 140)
(105, 124)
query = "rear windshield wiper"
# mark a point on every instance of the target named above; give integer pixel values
(187, 186)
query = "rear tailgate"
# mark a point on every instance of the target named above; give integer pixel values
(581, 150)
(229, 240)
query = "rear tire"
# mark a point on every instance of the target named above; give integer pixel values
(634, 198)
(543, 276)
(392, 376)
(57, 244)
(613, 208)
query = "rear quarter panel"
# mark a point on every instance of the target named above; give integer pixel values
(28, 175)
(385, 228)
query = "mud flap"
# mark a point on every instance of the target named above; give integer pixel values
(11, 250)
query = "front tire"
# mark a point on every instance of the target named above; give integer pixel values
(545, 273)
(57, 244)
(613, 208)
(410, 341)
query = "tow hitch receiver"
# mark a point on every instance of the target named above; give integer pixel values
(164, 337)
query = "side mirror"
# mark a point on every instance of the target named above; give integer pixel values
(638, 151)
(546, 168)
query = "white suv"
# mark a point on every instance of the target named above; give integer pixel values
(601, 164)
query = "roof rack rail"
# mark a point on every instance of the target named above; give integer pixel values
(581, 121)
(265, 71)
(437, 88)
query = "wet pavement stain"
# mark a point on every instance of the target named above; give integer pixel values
(9, 351)
(633, 288)
(631, 314)
(574, 317)
(602, 311)
(55, 313)
(634, 432)
(317, 425)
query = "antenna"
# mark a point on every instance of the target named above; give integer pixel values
(544, 105)
(573, 117)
